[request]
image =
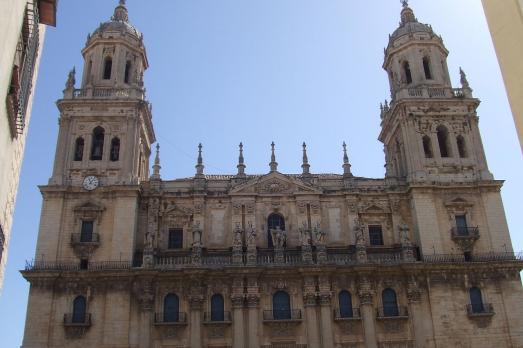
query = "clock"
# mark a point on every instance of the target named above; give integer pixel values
(90, 182)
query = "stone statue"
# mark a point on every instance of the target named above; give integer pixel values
(319, 234)
(358, 232)
(237, 242)
(404, 234)
(305, 236)
(251, 238)
(71, 80)
(279, 237)
(197, 235)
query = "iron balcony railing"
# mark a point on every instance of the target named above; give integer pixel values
(109, 93)
(79, 238)
(392, 312)
(224, 260)
(75, 319)
(480, 309)
(217, 317)
(474, 257)
(292, 314)
(465, 232)
(76, 266)
(170, 318)
(346, 313)
(285, 345)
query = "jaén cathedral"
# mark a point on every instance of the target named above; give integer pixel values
(127, 259)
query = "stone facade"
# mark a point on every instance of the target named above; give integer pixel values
(23, 30)
(420, 258)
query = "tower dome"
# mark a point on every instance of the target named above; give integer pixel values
(415, 56)
(115, 54)
(409, 24)
(119, 23)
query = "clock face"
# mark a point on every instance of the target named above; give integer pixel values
(90, 182)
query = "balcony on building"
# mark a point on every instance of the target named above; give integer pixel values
(392, 312)
(77, 320)
(463, 232)
(346, 314)
(217, 318)
(293, 315)
(480, 310)
(174, 318)
(85, 239)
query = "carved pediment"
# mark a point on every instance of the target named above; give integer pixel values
(274, 184)
(89, 207)
(458, 202)
(176, 210)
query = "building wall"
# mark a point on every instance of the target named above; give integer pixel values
(11, 149)
(506, 27)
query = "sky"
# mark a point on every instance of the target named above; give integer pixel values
(259, 71)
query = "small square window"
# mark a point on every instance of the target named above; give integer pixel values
(375, 235)
(175, 238)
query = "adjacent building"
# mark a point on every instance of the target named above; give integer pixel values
(126, 258)
(22, 24)
(505, 20)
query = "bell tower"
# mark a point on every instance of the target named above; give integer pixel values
(429, 129)
(106, 127)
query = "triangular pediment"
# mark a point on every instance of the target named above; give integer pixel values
(274, 183)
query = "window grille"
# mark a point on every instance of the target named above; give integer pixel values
(23, 70)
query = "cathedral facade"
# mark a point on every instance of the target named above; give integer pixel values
(419, 258)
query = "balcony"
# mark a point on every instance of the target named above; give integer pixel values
(335, 258)
(165, 319)
(399, 312)
(108, 93)
(220, 318)
(465, 232)
(85, 239)
(75, 320)
(480, 310)
(293, 315)
(343, 315)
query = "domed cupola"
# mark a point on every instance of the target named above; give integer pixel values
(115, 54)
(415, 56)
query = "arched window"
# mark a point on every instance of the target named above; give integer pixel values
(217, 308)
(273, 222)
(408, 74)
(427, 147)
(281, 305)
(476, 300)
(390, 303)
(426, 68)
(108, 66)
(127, 76)
(97, 147)
(345, 302)
(462, 149)
(443, 141)
(79, 310)
(171, 308)
(115, 150)
(79, 149)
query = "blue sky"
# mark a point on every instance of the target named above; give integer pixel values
(286, 71)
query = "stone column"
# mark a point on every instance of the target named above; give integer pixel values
(421, 331)
(366, 295)
(145, 294)
(195, 317)
(327, 338)
(309, 300)
(253, 303)
(237, 321)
